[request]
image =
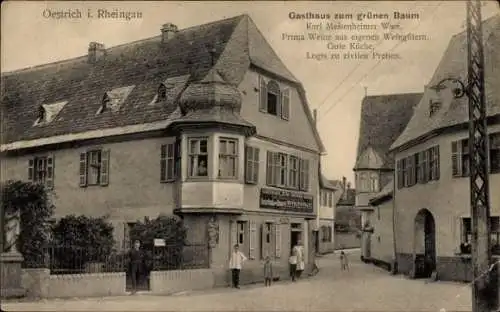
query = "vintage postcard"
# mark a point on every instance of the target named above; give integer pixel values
(250, 156)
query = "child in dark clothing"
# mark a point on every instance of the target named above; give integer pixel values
(268, 271)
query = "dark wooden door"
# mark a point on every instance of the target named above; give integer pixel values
(430, 245)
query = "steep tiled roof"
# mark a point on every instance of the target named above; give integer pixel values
(326, 184)
(454, 65)
(349, 200)
(186, 58)
(383, 118)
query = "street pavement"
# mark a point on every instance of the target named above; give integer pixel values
(363, 288)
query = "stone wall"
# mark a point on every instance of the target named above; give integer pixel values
(38, 283)
(168, 282)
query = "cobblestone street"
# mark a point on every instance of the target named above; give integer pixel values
(363, 288)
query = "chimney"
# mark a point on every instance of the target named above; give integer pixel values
(315, 116)
(168, 31)
(96, 52)
(344, 193)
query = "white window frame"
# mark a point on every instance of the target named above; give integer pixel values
(194, 157)
(226, 154)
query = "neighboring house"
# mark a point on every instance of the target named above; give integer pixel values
(325, 242)
(382, 240)
(432, 194)
(383, 118)
(205, 122)
(347, 218)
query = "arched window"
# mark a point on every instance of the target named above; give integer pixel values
(363, 182)
(273, 97)
(41, 114)
(105, 102)
(162, 93)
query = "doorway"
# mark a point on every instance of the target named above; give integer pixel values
(425, 244)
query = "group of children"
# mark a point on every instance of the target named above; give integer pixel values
(296, 263)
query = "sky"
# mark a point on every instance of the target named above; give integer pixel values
(334, 87)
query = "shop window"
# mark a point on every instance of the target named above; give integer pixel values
(198, 157)
(466, 238)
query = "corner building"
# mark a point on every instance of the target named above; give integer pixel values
(206, 123)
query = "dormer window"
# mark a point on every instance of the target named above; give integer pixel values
(105, 103)
(274, 100)
(41, 114)
(112, 100)
(162, 93)
(47, 113)
(434, 106)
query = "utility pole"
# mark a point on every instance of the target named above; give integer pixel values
(485, 286)
(485, 282)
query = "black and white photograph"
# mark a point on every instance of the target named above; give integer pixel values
(250, 156)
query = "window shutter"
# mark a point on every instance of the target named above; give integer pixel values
(270, 168)
(163, 163)
(104, 167)
(263, 95)
(301, 174)
(399, 174)
(49, 180)
(252, 239)
(436, 163)
(277, 240)
(256, 164)
(83, 169)
(456, 158)
(457, 233)
(285, 104)
(31, 169)
(177, 155)
(263, 244)
(306, 174)
(248, 164)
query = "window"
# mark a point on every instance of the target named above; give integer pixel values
(228, 158)
(273, 97)
(252, 165)
(162, 93)
(268, 242)
(293, 172)
(434, 106)
(421, 167)
(242, 236)
(41, 115)
(330, 199)
(326, 233)
(495, 152)
(405, 171)
(461, 156)
(399, 169)
(374, 187)
(168, 162)
(94, 168)
(287, 171)
(433, 157)
(41, 170)
(304, 175)
(198, 158)
(274, 100)
(105, 103)
(466, 235)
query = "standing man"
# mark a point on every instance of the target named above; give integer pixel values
(235, 264)
(136, 257)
